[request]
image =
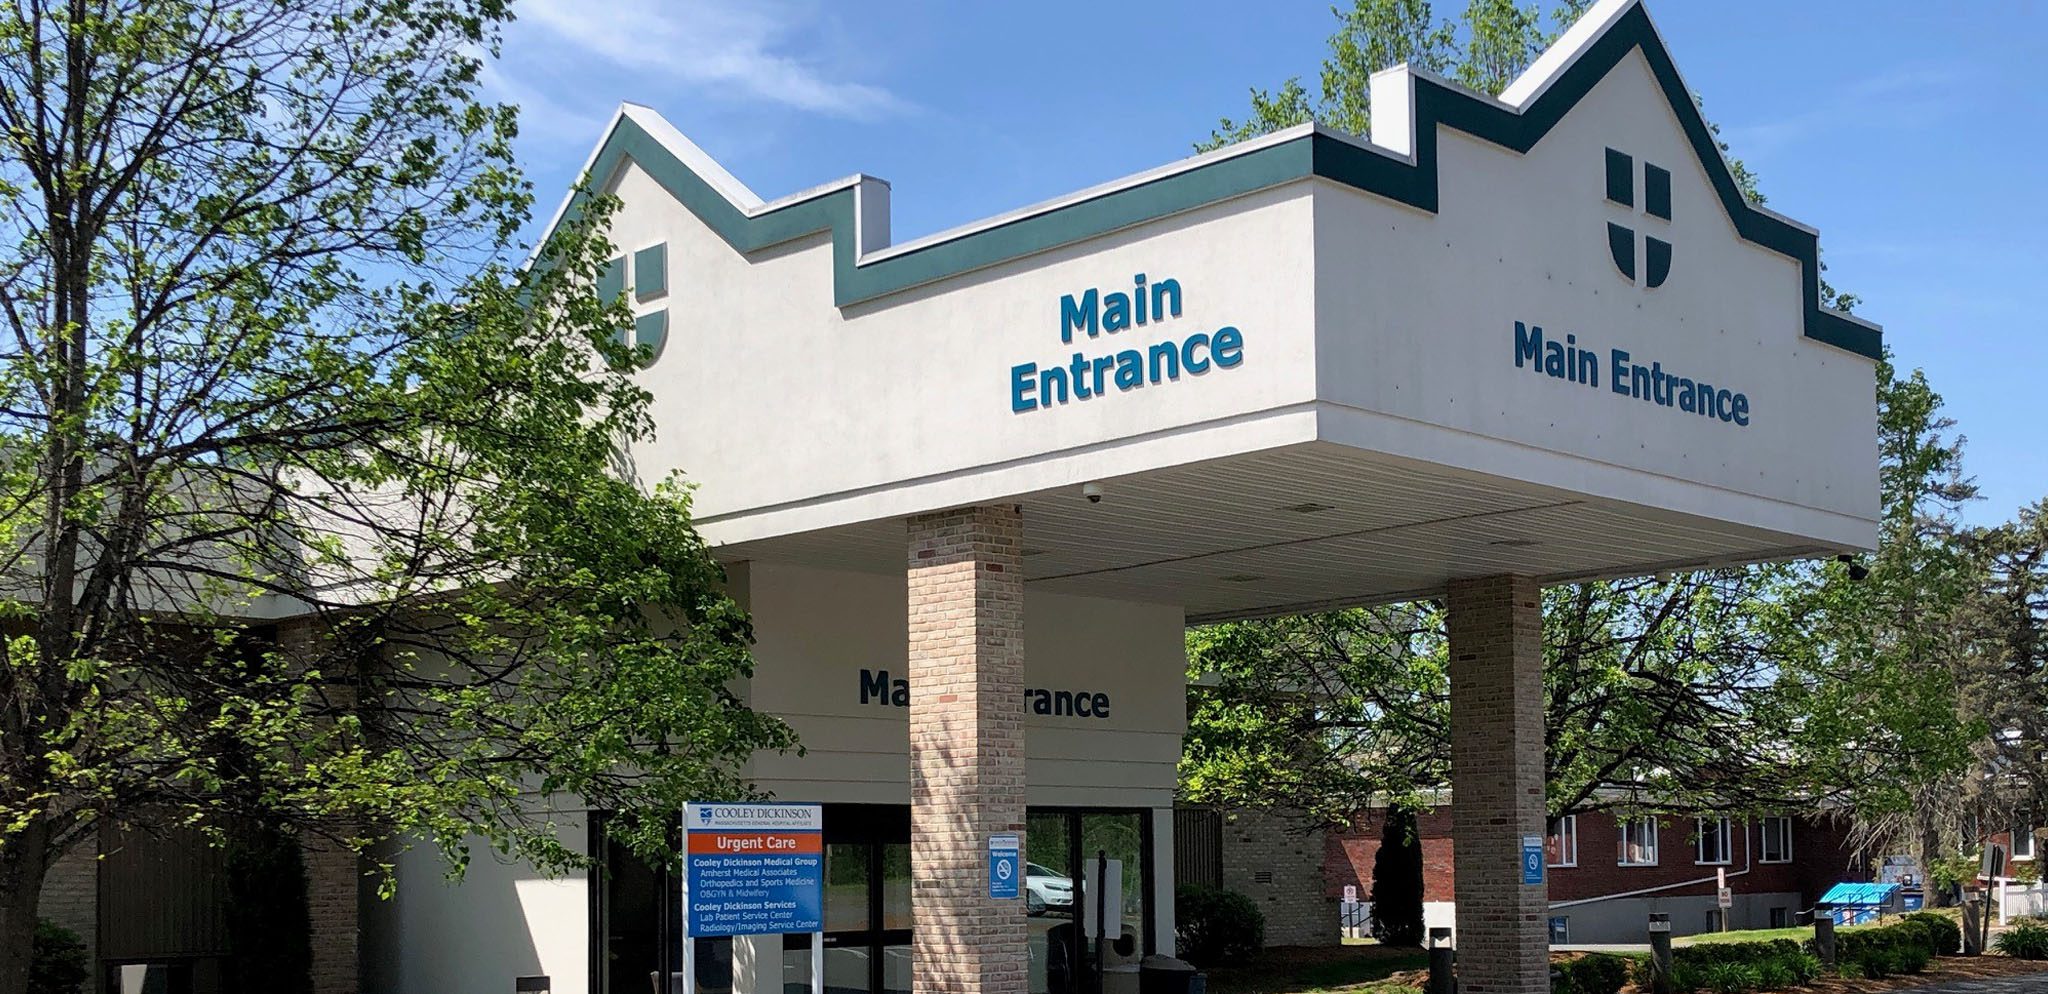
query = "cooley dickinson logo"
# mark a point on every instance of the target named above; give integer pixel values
(1655, 206)
(752, 817)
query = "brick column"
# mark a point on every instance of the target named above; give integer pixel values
(966, 663)
(1496, 643)
(334, 874)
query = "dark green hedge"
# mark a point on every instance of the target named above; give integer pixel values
(1213, 926)
(1593, 973)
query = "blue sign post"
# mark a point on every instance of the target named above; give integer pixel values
(753, 869)
(1532, 859)
(1005, 866)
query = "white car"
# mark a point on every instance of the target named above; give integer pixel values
(1045, 890)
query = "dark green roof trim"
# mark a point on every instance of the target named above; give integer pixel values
(1314, 154)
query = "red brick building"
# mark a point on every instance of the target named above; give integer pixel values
(1607, 873)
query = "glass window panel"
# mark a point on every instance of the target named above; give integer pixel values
(1777, 840)
(896, 886)
(1561, 845)
(1709, 840)
(1638, 842)
(847, 873)
(1050, 886)
(1120, 837)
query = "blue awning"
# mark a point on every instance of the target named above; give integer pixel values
(1866, 894)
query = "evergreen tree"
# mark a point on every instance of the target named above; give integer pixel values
(1397, 880)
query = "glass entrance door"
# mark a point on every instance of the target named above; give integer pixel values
(1060, 849)
(867, 905)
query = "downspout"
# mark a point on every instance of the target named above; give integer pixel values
(1748, 863)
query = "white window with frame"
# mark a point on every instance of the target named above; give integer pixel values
(1561, 845)
(1638, 842)
(2023, 842)
(1710, 841)
(1777, 840)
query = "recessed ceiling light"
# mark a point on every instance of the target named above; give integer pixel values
(1034, 552)
(1240, 578)
(1514, 543)
(1308, 507)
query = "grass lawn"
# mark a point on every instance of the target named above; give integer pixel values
(1356, 969)
(1797, 933)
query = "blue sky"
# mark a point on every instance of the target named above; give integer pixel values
(1912, 135)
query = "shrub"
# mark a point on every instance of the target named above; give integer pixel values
(57, 963)
(1945, 936)
(1593, 973)
(1736, 952)
(1805, 967)
(1685, 977)
(1728, 978)
(2025, 938)
(1213, 925)
(1901, 942)
(1774, 975)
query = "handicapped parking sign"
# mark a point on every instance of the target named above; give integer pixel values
(1532, 859)
(1005, 865)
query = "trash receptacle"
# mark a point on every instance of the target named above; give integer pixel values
(1166, 975)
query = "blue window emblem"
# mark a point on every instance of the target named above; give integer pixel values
(1655, 204)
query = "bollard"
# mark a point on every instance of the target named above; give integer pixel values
(1660, 953)
(1824, 938)
(1441, 980)
(1973, 942)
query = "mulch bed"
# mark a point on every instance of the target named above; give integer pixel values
(1272, 972)
(1942, 970)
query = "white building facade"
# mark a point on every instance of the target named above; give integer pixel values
(974, 487)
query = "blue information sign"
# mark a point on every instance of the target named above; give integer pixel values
(1005, 865)
(1532, 859)
(754, 869)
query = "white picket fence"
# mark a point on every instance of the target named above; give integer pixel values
(2019, 900)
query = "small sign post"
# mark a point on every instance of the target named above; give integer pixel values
(1532, 860)
(753, 869)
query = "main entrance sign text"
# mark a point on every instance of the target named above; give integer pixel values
(1626, 375)
(1095, 313)
(754, 869)
(877, 688)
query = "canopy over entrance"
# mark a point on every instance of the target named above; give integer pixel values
(1540, 333)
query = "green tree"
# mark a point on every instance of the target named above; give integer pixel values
(312, 500)
(1875, 647)
(2007, 683)
(1485, 48)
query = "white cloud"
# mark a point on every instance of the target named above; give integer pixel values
(743, 45)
